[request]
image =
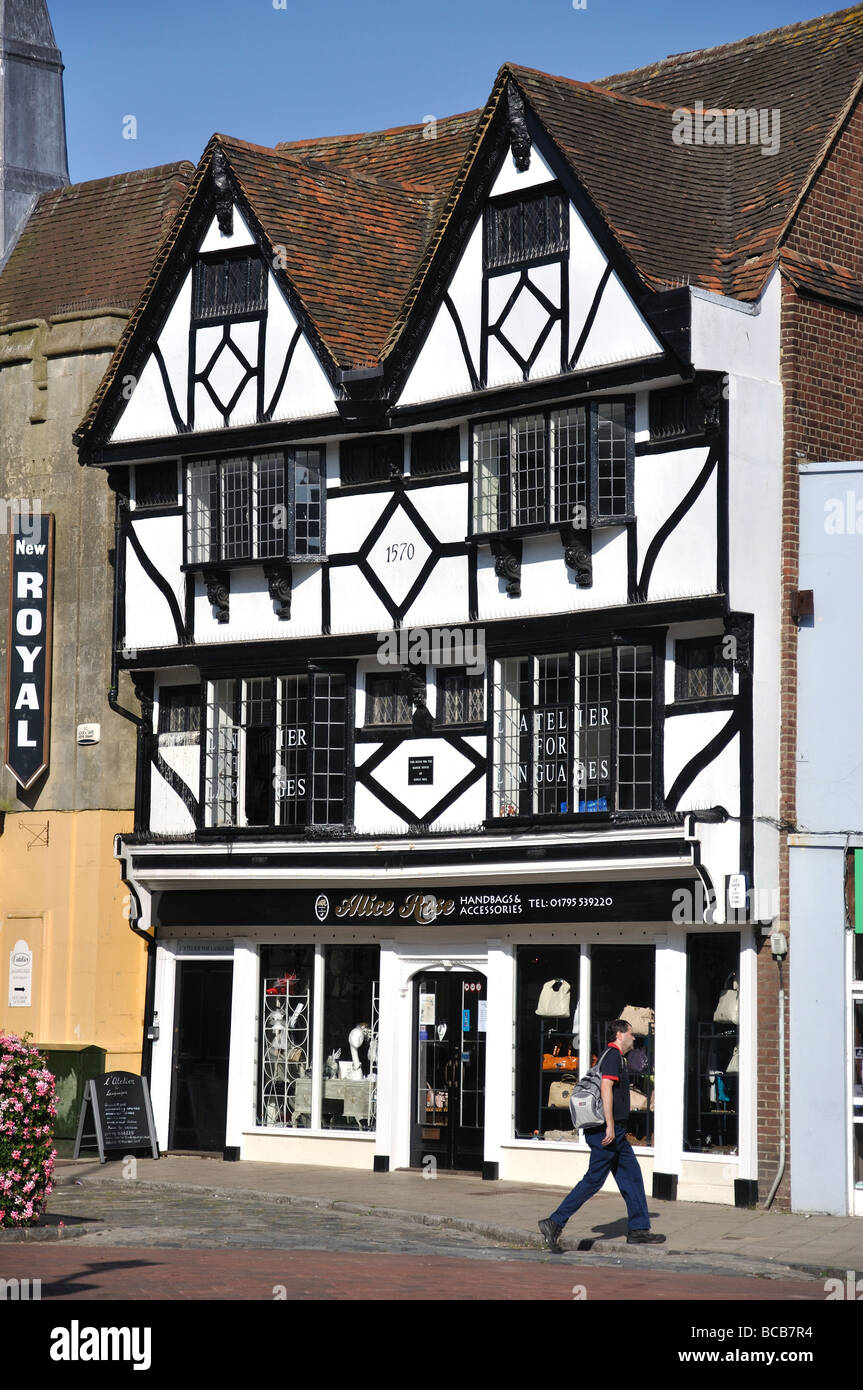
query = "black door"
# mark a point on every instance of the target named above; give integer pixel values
(448, 1101)
(202, 1030)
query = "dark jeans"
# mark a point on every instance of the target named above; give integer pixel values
(619, 1160)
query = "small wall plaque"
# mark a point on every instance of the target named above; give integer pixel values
(420, 772)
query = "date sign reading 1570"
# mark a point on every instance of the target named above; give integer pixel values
(399, 550)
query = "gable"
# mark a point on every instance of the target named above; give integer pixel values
(499, 325)
(227, 369)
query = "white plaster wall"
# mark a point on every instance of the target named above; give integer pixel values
(686, 735)
(511, 179)
(619, 333)
(148, 415)
(307, 390)
(686, 564)
(349, 520)
(215, 241)
(354, 605)
(148, 621)
(252, 613)
(168, 814)
(443, 598)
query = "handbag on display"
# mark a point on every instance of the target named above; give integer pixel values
(554, 999)
(728, 1008)
(559, 1092)
(734, 1065)
(553, 1061)
(637, 1100)
(639, 1018)
(638, 1061)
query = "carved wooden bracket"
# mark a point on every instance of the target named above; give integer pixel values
(224, 201)
(507, 564)
(739, 627)
(218, 584)
(413, 682)
(519, 137)
(577, 555)
(280, 583)
(710, 407)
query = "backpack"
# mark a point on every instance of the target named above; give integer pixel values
(585, 1103)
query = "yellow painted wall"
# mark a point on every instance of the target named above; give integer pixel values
(67, 901)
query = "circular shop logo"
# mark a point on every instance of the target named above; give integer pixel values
(322, 907)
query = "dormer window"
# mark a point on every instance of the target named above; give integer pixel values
(519, 230)
(228, 285)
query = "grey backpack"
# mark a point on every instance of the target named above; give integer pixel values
(585, 1103)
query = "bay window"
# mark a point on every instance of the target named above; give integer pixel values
(255, 507)
(570, 467)
(574, 732)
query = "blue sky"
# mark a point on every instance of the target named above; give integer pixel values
(187, 68)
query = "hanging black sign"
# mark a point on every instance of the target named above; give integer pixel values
(28, 684)
(119, 1110)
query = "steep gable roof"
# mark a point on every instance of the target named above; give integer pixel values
(359, 219)
(91, 245)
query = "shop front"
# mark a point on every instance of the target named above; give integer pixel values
(393, 1027)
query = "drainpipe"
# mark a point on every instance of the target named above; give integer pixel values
(150, 989)
(779, 945)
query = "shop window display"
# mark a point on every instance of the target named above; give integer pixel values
(622, 985)
(350, 1026)
(349, 1020)
(712, 1043)
(547, 1042)
(287, 977)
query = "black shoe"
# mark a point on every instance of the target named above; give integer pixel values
(645, 1238)
(550, 1234)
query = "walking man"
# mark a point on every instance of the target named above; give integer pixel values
(610, 1150)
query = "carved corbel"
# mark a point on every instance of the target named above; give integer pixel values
(507, 565)
(218, 584)
(224, 201)
(738, 626)
(519, 137)
(710, 407)
(280, 583)
(577, 555)
(414, 683)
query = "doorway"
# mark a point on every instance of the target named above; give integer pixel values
(448, 1099)
(202, 1032)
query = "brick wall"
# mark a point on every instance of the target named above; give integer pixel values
(822, 375)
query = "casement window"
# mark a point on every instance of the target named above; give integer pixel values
(561, 467)
(460, 697)
(227, 285)
(373, 460)
(258, 507)
(702, 671)
(276, 751)
(574, 732)
(435, 452)
(156, 485)
(525, 229)
(387, 702)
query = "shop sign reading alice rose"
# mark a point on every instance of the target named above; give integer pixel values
(28, 683)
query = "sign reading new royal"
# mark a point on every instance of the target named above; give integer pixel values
(28, 684)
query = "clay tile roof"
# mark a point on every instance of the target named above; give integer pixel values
(811, 74)
(91, 245)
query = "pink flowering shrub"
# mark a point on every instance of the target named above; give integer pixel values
(27, 1113)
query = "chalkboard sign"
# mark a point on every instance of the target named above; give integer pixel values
(119, 1109)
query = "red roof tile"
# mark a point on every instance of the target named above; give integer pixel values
(91, 245)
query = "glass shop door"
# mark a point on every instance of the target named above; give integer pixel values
(449, 1071)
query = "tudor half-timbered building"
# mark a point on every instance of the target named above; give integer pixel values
(448, 475)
